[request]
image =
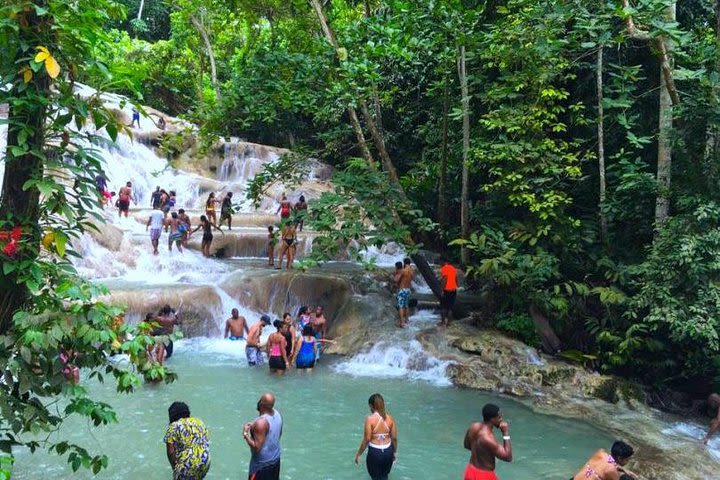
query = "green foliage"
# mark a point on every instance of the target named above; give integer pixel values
(51, 321)
(519, 326)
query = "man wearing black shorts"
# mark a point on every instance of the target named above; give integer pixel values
(449, 276)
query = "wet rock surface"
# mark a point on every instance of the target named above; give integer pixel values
(487, 360)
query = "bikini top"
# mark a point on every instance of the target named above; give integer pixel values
(589, 471)
(380, 436)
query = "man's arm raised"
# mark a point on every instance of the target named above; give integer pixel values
(504, 451)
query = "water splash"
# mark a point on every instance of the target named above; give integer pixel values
(692, 434)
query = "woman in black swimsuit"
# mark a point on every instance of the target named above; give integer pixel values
(287, 247)
(288, 332)
(207, 237)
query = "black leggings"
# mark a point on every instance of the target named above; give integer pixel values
(379, 461)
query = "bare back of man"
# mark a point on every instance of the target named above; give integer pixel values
(484, 448)
(406, 277)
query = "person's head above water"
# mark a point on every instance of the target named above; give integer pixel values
(129, 184)
(398, 265)
(265, 319)
(377, 404)
(407, 261)
(287, 318)
(266, 404)
(308, 331)
(491, 414)
(234, 312)
(181, 211)
(621, 452)
(177, 411)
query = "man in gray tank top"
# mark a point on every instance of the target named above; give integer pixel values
(263, 437)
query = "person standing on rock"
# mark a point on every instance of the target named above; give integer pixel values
(285, 208)
(484, 448)
(210, 206)
(288, 237)
(226, 210)
(236, 326)
(124, 196)
(155, 198)
(403, 295)
(301, 211)
(714, 402)
(155, 223)
(447, 302)
(207, 237)
(185, 220)
(272, 241)
(253, 351)
(262, 435)
(177, 230)
(135, 118)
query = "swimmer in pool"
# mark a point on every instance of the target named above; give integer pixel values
(236, 326)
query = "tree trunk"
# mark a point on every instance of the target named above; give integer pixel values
(19, 206)
(140, 9)
(211, 56)
(420, 261)
(712, 135)
(442, 181)
(465, 195)
(601, 143)
(352, 114)
(665, 126)
(550, 341)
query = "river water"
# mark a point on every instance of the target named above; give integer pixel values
(323, 413)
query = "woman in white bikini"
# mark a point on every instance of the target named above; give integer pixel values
(381, 438)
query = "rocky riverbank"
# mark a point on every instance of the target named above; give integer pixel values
(489, 361)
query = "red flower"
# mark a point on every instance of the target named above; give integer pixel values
(10, 249)
(16, 233)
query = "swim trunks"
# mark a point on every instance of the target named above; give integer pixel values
(474, 473)
(175, 237)
(403, 298)
(254, 355)
(154, 233)
(124, 205)
(233, 337)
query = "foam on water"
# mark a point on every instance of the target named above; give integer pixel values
(692, 433)
(400, 356)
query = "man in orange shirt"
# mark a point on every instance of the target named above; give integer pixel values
(449, 276)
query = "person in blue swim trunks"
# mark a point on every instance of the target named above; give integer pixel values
(236, 326)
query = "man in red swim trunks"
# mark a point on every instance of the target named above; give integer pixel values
(484, 448)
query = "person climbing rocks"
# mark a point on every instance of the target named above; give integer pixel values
(449, 293)
(185, 220)
(167, 318)
(155, 223)
(272, 241)
(285, 208)
(403, 295)
(177, 229)
(236, 326)
(210, 206)
(714, 402)
(226, 210)
(288, 239)
(155, 198)
(484, 448)
(135, 118)
(252, 347)
(604, 466)
(207, 237)
(124, 196)
(300, 212)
